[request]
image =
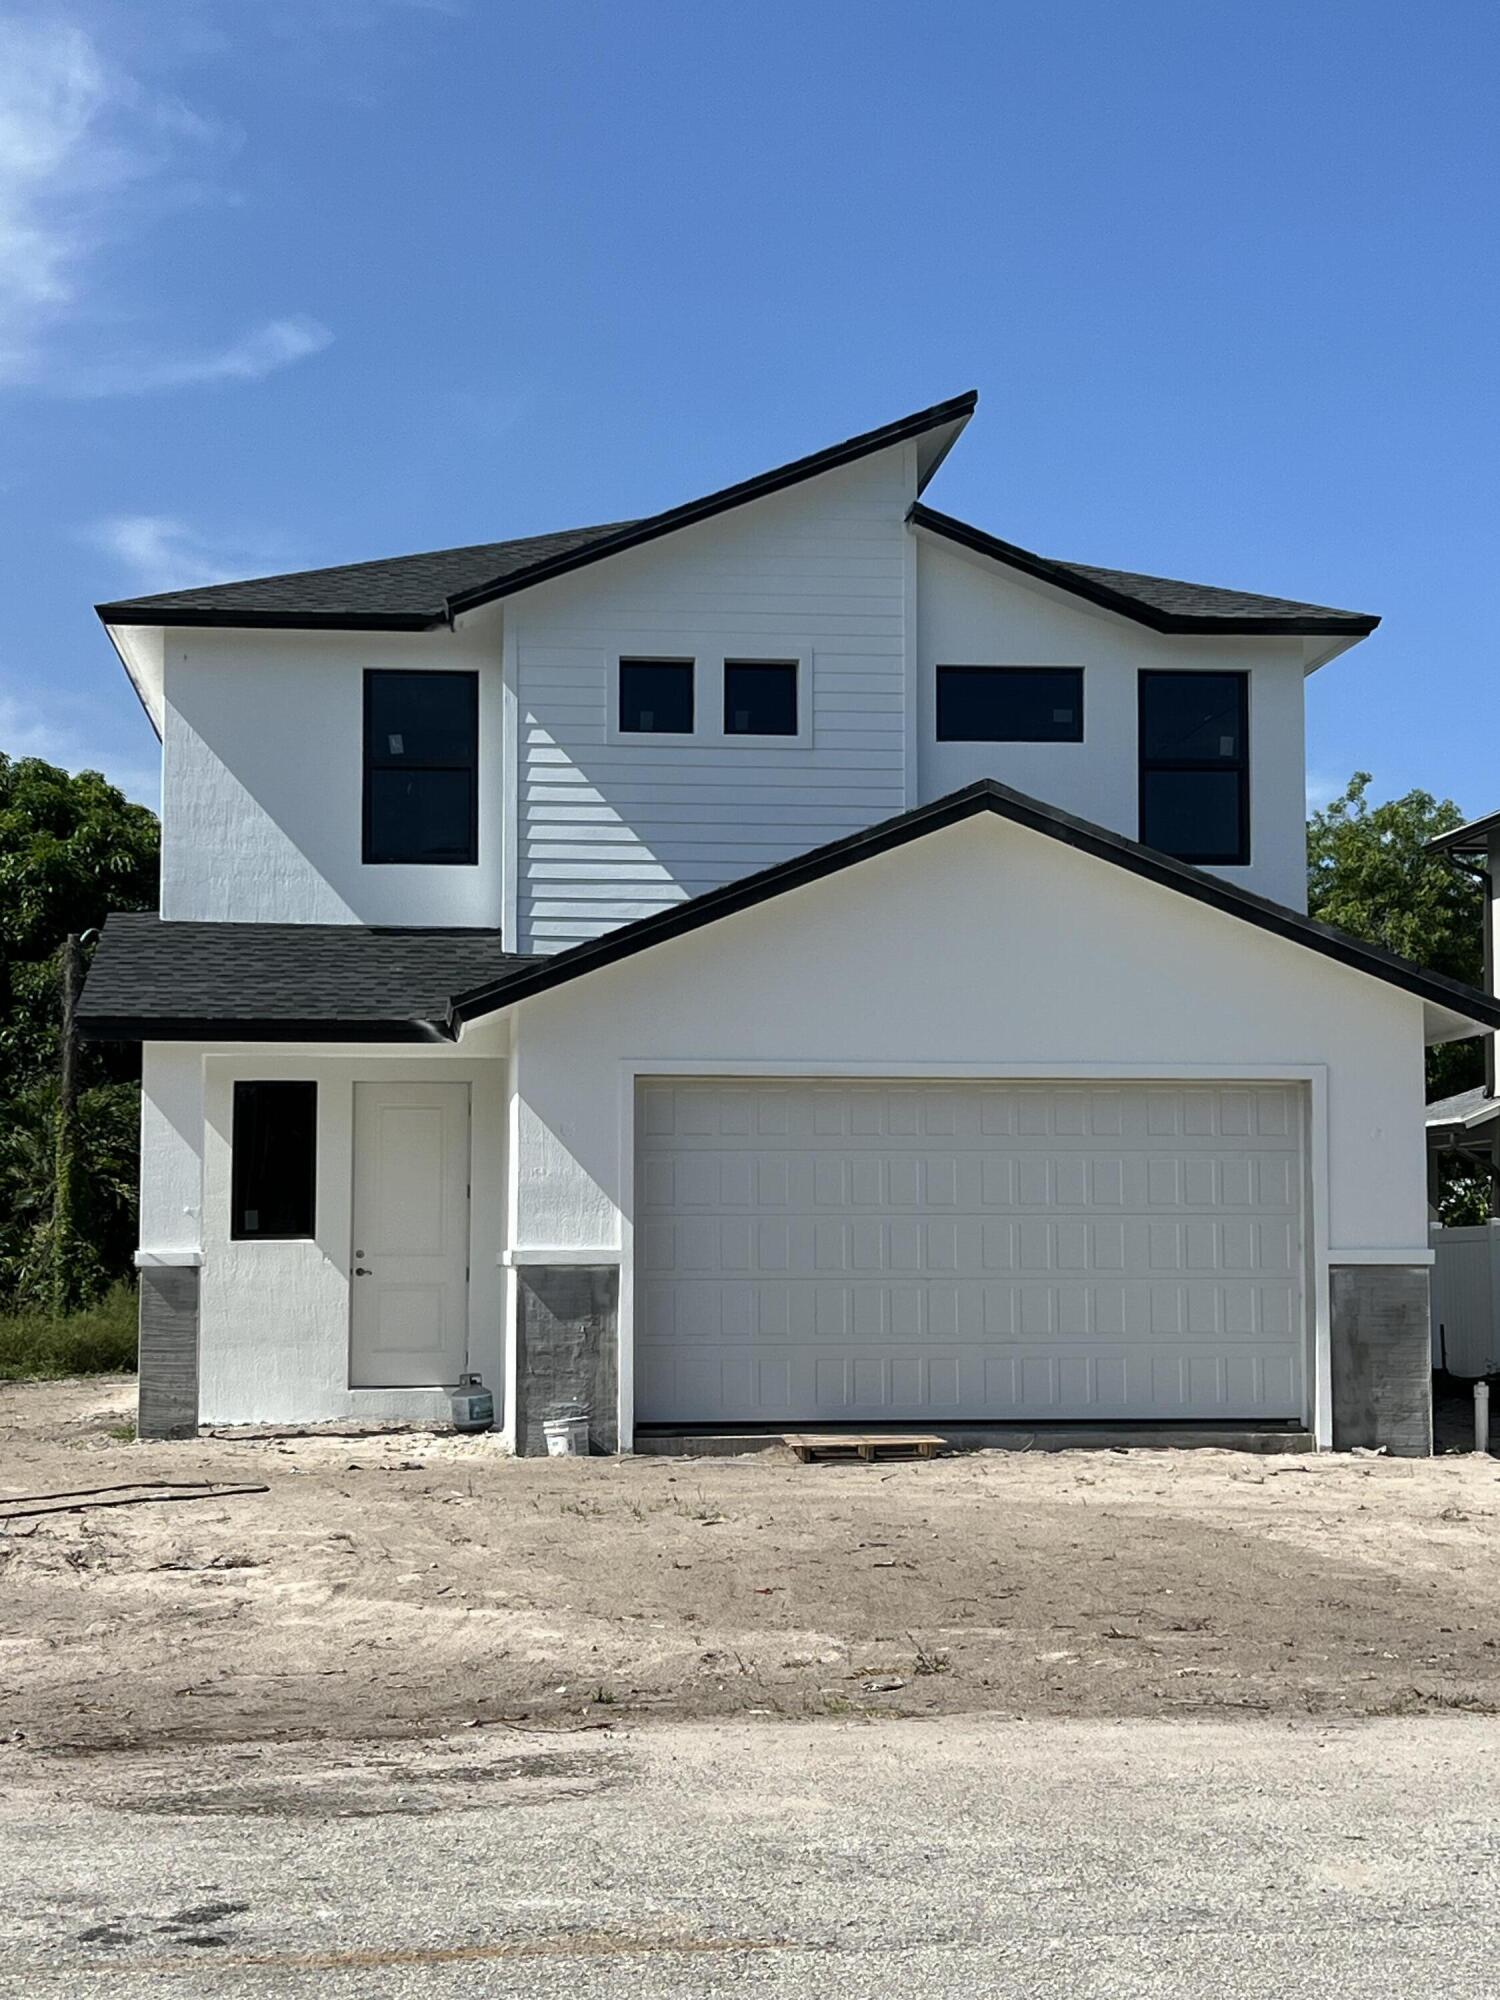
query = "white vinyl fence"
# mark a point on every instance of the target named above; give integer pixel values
(1466, 1300)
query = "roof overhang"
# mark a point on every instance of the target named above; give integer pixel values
(1451, 1010)
(1472, 838)
(1329, 633)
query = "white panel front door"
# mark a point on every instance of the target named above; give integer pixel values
(832, 1250)
(410, 1281)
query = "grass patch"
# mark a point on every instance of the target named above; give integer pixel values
(100, 1341)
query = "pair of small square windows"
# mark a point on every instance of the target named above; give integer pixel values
(657, 697)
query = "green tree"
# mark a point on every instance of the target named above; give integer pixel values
(72, 848)
(1370, 873)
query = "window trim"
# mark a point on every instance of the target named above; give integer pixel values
(238, 1164)
(1240, 765)
(999, 669)
(369, 764)
(709, 653)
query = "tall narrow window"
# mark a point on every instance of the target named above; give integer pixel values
(1195, 766)
(1010, 704)
(656, 697)
(421, 767)
(760, 697)
(275, 1147)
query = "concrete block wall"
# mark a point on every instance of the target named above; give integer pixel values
(167, 1363)
(1382, 1358)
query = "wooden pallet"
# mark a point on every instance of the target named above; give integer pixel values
(849, 1444)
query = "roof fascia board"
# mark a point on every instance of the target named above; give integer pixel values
(955, 413)
(234, 1028)
(259, 621)
(1044, 570)
(1449, 995)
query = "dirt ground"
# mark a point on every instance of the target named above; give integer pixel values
(407, 1585)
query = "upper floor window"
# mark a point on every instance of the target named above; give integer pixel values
(273, 1177)
(1010, 704)
(760, 697)
(421, 767)
(1195, 766)
(656, 697)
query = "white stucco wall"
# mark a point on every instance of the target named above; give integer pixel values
(972, 612)
(994, 950)
(262, 779)
(274, 1316)
(171, 1205)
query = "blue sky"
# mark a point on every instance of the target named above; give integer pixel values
(290, 282)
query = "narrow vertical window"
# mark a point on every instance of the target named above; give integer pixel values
(421, 767)
(1195, 766)
(273, 1182)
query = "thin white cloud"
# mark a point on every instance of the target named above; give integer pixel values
(1323, 789)
(276, 344)
(62, 733)
(159, 552)
(85, 153)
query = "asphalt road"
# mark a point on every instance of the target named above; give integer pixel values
(946, 1857)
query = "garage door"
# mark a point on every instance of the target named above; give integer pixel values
(938, 1250)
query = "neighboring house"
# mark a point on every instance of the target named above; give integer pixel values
(795, 958)
(1465, 1129)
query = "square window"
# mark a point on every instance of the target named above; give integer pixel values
(275, 1156)
(760, 697)
(1194, 815)
(656, 697)
(1010, 704)
(421, 767)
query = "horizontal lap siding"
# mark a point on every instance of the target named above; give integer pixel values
(611, 831)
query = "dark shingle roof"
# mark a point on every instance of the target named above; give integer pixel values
(283, 981)
(412, 593)
(416, 587)
(1166, 603)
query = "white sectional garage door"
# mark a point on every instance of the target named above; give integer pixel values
(834, 1250)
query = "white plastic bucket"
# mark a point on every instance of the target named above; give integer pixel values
(567, 1437)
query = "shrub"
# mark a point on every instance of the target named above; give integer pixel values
(98, 1341)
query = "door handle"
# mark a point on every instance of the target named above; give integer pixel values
(361, 1272)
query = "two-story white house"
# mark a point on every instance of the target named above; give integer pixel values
(791, 959)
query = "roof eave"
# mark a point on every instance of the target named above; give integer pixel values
(257, 621)
(1457, 1010)
(237, 1028)
(1357, 625)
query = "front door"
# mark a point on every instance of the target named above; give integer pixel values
(409, 1280)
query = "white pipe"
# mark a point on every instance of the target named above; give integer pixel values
(1481, 1416)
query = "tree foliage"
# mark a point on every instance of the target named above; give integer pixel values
(72, 848)
(1370, 872)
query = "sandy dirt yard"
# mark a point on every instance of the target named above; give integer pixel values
(407, 1585)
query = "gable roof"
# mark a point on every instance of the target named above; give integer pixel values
(1165, 603)
(523, 982)
(415, 593)
(152, 980)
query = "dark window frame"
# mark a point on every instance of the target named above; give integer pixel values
(373, 763)
(1237, 766)
(1073, 675)
(686, 661)
(786, 664)
(241, 1162)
